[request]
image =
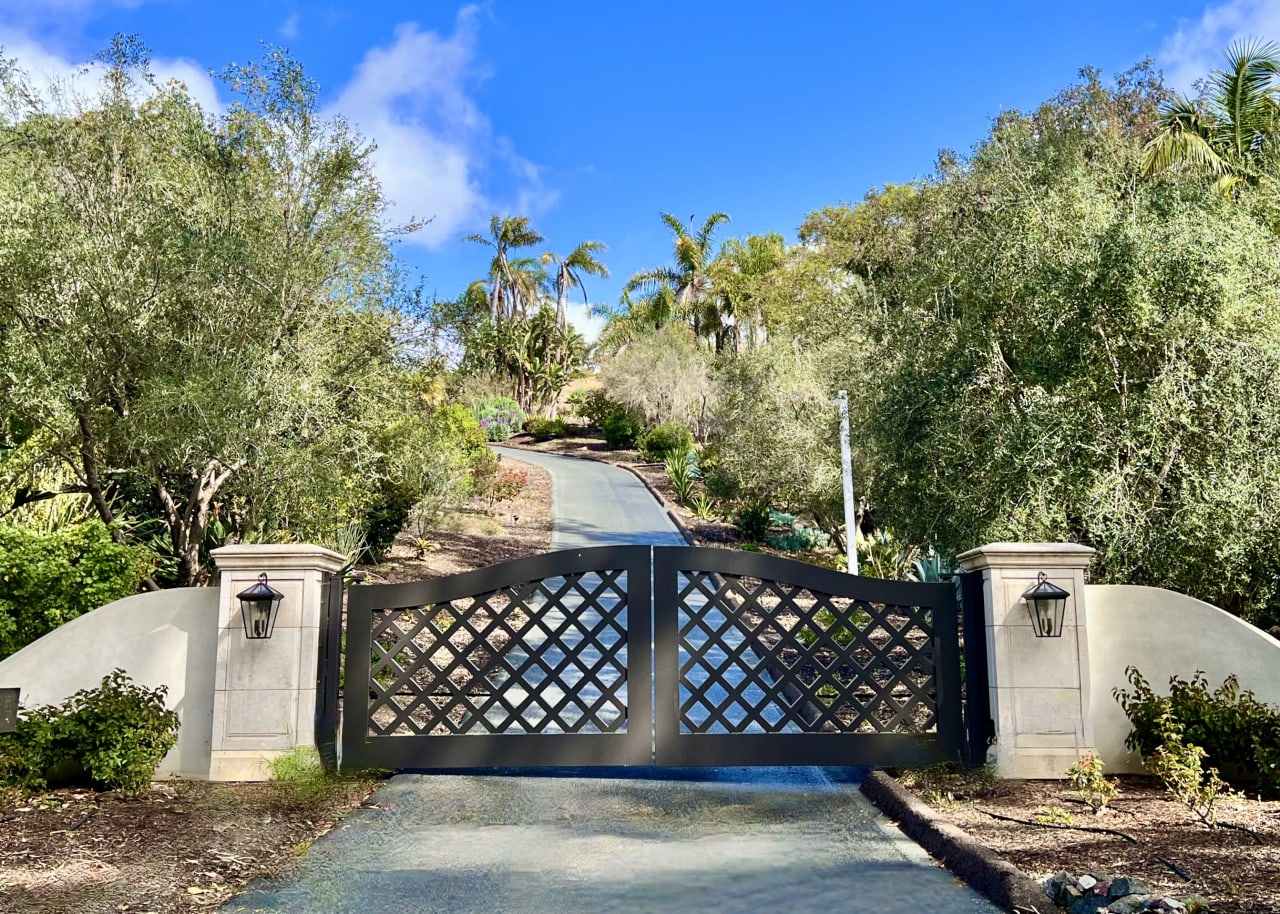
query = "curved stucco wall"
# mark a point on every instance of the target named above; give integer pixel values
(1166, 634)
(165, 638)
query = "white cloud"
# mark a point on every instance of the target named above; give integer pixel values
(1198, 44)
(434, 145)
(290, 27)
(580, 316)
(67, 82)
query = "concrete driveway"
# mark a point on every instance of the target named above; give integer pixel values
(784, 840)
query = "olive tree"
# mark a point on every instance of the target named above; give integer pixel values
(189, 301)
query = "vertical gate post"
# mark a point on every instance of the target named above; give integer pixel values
(1038, 687)
(264, 700)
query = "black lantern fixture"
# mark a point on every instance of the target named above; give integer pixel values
(258, 607)
(1047, 604)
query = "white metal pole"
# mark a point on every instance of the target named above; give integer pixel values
(846, 473)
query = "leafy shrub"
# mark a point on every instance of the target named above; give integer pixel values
(495, 483)
(1180, 767)
(499, 417)
(882, 556)
(666, 439)
(1087, 779)
(111, 737)
(752, 522)
(393, 501)
(620, 430)
(47, 579)
(546, 429)
(594, 406)
(803, 539)
(1239, 734)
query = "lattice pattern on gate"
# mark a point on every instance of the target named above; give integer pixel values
(540, 657)
(762, 656)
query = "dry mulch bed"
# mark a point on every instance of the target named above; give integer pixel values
(189, 846)
(476, 535)
(180, 847)
(1236, 868)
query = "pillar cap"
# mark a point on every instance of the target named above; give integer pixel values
(1026, 555)
(281, 556)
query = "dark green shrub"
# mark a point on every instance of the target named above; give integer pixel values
(110, 738)
(500, 417)
(546, 429)
(666, 439)
(620, 430)
(1239, 734)
(387, 516)
(752, 522)
(594, 406)
(47, 579)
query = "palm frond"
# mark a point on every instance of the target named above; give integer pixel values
(651, 279)
(1226, 185)
(1244, 93)
(1181, 147)
(704, 234)
(675, 225)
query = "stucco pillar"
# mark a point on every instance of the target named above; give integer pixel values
(1039, 686)
(264, 695)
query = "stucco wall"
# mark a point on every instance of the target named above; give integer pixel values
(166, 638)
(1164, 634)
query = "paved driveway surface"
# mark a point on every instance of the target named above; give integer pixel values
(791, 843)
(757, 840)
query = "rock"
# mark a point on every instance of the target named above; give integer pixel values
(1056, 887)
(1089, 904)
(1129, 904)
(1123, 886)
(1087, 882)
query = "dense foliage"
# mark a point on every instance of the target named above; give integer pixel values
(1237, 734)
(201, 321)
(51, 577)
(1071, 333)
(111, 737)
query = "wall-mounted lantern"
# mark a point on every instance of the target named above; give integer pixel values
(1047, 604)
(259, 606)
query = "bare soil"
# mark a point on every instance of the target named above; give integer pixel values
(189, 846)
(1144, 833)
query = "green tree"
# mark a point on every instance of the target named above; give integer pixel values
(188, 302)
(688, 276)
(505, 233)
(1064, 351)
(1230, 132)
(569, 272)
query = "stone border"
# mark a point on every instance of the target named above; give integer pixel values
(975, 863)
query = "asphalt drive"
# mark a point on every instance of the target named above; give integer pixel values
(784, 840)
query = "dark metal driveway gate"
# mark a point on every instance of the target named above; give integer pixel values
(734, 658)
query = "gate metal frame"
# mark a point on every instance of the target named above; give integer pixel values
(633, 747)
(653, 733)
(881, 749)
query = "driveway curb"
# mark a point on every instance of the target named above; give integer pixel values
(975, 863)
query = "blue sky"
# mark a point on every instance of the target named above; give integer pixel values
(592, 118)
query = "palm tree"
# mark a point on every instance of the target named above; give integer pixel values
(505, 233)
(1230, 132)
(569, 270)
(689, 277)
